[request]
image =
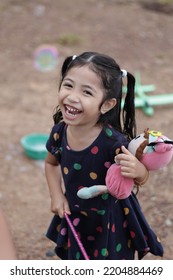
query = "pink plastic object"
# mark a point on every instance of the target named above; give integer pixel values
(76, 237)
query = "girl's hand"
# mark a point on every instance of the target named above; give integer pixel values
(60, 205)
(131, 167)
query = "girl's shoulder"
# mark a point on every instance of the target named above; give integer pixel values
(113, 140)
(114, 135)
(58, 128)
(57, 131)
(55, 137)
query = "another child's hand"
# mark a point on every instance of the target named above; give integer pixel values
(60, 205)
(131, 167)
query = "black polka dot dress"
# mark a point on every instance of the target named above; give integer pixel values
(109, 229)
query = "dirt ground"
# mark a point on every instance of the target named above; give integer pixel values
(139, 36)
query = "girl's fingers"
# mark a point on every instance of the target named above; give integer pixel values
(126, 155)
(67, 209)
(126, 174)
(125, 151)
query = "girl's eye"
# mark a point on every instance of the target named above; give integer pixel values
(88, 92)
(67, 85)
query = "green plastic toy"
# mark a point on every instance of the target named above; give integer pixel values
(146, 102)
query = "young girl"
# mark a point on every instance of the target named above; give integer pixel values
(87, 134)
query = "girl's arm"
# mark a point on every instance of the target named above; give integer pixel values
(59, 203)
(131, 167)
(7, 250)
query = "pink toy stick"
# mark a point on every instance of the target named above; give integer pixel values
(76, 237)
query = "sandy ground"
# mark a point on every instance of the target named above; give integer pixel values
(139, 37)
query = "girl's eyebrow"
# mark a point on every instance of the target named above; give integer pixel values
(84, 86)
(90, 88)
(68, 79)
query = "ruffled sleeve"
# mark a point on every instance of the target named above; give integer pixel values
(54, 143)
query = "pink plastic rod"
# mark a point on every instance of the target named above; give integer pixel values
(76, 237)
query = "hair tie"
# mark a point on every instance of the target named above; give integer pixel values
(74, 56)
(124, 73)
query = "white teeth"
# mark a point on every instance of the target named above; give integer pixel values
(72, 110)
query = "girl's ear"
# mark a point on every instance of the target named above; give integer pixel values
(108, 105)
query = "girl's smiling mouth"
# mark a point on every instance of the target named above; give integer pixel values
(71, 111)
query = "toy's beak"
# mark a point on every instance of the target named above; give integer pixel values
(152, 144)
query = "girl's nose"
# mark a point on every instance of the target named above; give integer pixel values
(73, 97)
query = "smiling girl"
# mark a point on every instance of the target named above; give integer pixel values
(90, 129)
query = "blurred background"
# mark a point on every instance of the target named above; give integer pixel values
(138, 34)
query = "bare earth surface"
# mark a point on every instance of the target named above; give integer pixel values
(139, 37)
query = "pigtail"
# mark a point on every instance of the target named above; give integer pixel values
(129, 108)
(57, 116)
(65, 66)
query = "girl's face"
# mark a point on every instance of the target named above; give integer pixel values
(80, 96)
